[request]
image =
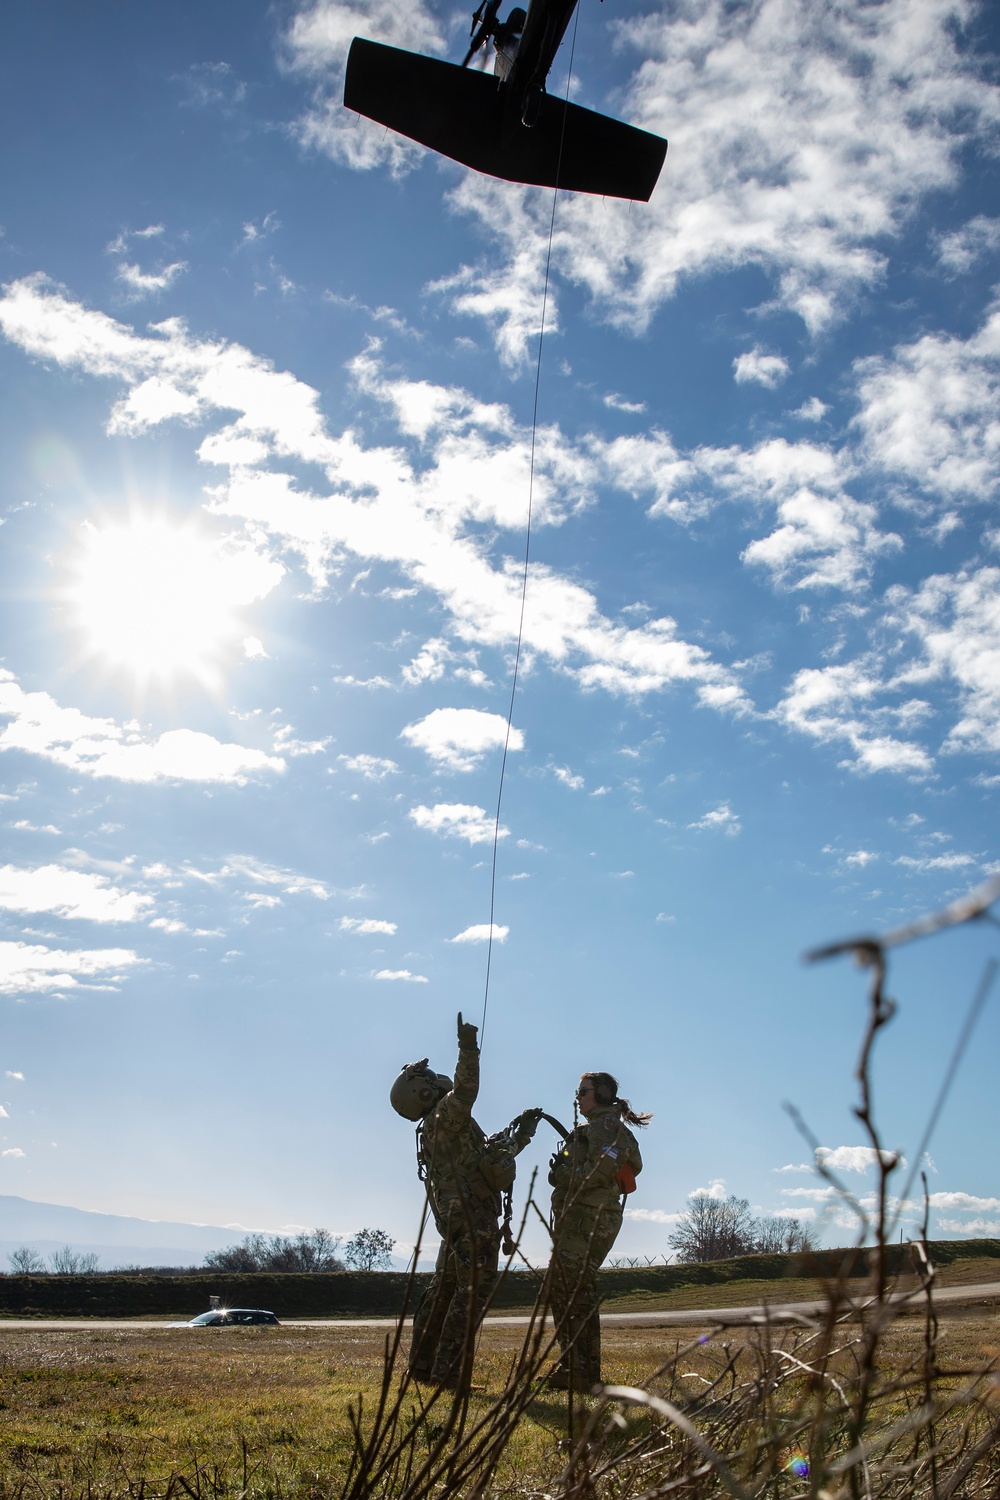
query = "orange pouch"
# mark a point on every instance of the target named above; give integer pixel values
(625, 1178)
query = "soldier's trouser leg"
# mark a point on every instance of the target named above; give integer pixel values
(583, 1237)
(428, 1320)
(473, 1256)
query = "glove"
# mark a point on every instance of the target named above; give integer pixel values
(527, 1121)
(468, 1035)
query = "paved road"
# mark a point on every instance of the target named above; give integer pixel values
(987, 1291)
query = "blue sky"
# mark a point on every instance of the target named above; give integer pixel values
(268, 380)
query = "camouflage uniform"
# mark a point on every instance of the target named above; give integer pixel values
(586, 1218)
(450, 1152)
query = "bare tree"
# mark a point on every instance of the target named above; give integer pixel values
(315, 1251)
(70, 1262)
(720, 1228)
(714, 1229)
(369, 1250)
(26, 1261)
(777, 1234)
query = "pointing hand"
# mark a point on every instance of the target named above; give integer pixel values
(468, 1035)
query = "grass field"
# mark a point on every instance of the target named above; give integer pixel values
(263, 1412)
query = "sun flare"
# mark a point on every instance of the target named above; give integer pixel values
(161, 600)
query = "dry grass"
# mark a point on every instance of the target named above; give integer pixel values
(265, 1411)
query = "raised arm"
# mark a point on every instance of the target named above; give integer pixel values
(467, 1070)
(455, 1109)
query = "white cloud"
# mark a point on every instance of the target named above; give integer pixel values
(27, 968)
(823, 537)
(403, 974)
(721, 819)
(803, 1166)
(12, 1151)
(964, 1201)
(971, 1226)
(170, 925)
(212, 84)
(286, 743)
(367, 926)
(927, 862)
(429, 663)
(930, 412)
(3, 1113)
(246, 867)
(372, 767)
(38, 725)
(955, 620)
(422, 512)
(18, 1077)
(716, 1189)
(831, 704)
(253, 649)
(818, 1194)
(805, 133)
(481, 933)
(852, 1158)
(252, 231)
(813, 410)
(457, 739)
(652, 1215)
(567, 777)
(142, 283)
(458, 820)
(758, 368)
(69, 893)
(619, 403)
(947, 631)
(121, 242)
(960, 249)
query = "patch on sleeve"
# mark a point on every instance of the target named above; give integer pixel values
(611, 1151)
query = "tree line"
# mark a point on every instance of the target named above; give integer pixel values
(711, 1228)
(313, 1250)
(368, 1250)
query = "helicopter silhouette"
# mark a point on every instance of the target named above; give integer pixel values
(505, 125)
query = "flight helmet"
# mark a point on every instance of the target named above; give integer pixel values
(417, 1089)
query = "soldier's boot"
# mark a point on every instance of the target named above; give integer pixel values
(560, 1379)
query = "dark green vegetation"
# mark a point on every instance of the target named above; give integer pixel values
(381, 1293)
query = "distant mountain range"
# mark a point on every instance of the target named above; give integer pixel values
(115, 1238)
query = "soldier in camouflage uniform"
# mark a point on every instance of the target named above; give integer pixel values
(590, 1175)
(466, 1174)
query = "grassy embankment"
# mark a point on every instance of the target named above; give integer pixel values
(749, 1279)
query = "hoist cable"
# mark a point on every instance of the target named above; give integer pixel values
(527, 532)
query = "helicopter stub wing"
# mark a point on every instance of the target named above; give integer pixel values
(466, 115)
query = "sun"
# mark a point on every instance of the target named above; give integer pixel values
(159, 599)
